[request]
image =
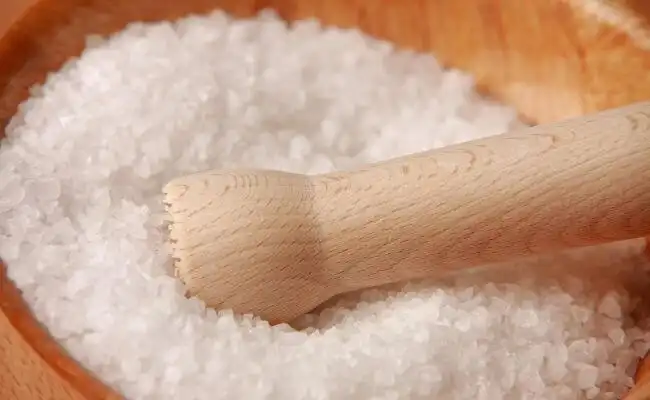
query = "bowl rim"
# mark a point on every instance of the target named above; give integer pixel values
(30, 20)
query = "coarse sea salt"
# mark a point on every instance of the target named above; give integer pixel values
(81, 229)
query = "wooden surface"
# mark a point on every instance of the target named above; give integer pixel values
(642, 378)
(551, 59)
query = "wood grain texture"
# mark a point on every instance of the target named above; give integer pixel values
(550, 59)
(641, 391)
(277, 245)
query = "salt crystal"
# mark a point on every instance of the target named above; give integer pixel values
(300, 147)
(592, 393)
(587, 376)
(464, 324)
(610, 307)
(526, 318)
(617, 335)
(11, 196)
(9, 248)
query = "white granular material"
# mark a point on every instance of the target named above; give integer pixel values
(81, 225)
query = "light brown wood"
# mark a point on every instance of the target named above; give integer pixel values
(551, 59)
(277, 245)
(642, 381)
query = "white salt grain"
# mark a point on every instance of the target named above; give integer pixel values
(610, 306)
(587, 376)
(80, 227)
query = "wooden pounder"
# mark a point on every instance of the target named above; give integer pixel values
(277, 244)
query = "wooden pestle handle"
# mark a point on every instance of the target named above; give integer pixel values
(278, 244)
(579, 182)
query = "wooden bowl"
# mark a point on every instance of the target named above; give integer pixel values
(550, 59)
